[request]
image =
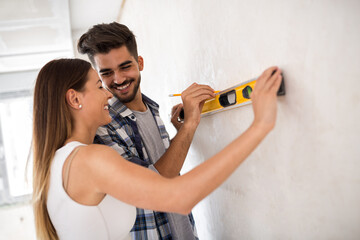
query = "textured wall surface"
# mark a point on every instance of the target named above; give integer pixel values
(303, 181)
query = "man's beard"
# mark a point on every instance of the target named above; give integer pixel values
(127, 99)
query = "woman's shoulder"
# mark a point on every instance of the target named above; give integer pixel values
(97, 148)
(99, 160)
(88, 147)
(97, 152)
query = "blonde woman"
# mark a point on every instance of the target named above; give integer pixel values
(88, 191)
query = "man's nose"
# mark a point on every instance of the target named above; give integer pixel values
(119, 78)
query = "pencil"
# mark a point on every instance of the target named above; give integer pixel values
(179, 94)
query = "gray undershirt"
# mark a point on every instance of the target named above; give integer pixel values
(180, 224)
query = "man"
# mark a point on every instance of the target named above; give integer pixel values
(136, 131)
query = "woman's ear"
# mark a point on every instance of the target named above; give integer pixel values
(72, 98)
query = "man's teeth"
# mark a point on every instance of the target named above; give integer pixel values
(106, 107)
(123, 87)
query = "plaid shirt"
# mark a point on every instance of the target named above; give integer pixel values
(122, 134)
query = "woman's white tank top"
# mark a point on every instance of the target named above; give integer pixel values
(111, 219)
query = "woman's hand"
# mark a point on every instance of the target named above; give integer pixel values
(264, 98)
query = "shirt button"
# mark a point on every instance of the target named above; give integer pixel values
(132, 117)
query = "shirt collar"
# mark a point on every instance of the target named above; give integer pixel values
(118, 108)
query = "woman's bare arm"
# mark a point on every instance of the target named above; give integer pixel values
(107, 172)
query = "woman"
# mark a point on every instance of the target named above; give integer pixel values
(85, 191)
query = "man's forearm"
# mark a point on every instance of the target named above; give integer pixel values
(171, 162)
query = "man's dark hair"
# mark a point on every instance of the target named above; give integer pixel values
(102, 38)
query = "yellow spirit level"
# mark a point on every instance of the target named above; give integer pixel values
(232, 97)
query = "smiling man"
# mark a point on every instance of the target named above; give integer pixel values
(136, 130)
(120, 72)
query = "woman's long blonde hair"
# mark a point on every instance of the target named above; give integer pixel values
(52, 125)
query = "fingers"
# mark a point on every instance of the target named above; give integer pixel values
(196, 90)
(176, 109)
(203, 98)
(270, 71)
(175, 116)
(175, 112)
(275, 87)
(269, 80)
(273, 78)
(193, 99)
(260, 82)
(264, 98)
(194, 95)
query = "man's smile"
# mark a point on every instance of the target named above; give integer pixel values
(124, 87)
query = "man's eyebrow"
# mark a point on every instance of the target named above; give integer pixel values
(125, 63)
(120, 65)
(104, 70)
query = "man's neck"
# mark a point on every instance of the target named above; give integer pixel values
(137, 104)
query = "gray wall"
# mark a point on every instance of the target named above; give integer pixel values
(303, 181)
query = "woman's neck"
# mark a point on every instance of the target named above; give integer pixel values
(82, 134)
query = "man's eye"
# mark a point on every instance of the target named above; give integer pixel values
(125, 67)
(105, 74)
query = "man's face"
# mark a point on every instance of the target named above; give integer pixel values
(120, 72)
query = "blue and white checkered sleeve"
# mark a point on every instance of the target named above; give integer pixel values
(105, 136)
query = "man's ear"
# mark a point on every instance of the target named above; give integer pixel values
(72, 98)
(141, 63)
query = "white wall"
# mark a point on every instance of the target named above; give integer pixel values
(303, 181)
(31, 34)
